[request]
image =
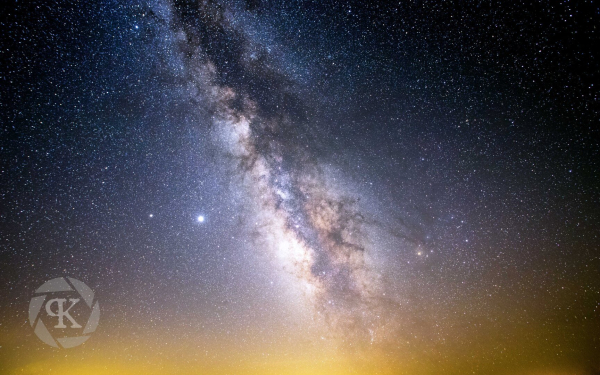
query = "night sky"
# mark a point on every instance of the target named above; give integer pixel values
(304, 187)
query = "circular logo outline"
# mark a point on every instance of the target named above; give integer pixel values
(60, 284)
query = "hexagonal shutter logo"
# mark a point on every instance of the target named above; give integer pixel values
(63, 312)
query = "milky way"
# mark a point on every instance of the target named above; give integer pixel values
(316, 232)
(303, 187)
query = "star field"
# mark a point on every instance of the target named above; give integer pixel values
(261, 187)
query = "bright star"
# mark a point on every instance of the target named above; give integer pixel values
(151, 215)
(200, 219)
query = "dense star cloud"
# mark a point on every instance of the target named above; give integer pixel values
(259, 187)
(317, 231)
